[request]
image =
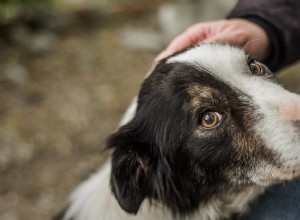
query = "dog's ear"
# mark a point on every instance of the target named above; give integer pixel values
(131, 168)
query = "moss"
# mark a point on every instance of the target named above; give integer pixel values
(11, 8)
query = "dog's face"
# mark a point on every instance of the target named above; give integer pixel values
(208, 119)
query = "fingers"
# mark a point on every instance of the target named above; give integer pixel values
(192, 35)
(179, 43)
(239, 32)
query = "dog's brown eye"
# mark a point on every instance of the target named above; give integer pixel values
(210, 119)
(256, 68)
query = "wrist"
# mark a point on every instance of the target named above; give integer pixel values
(255, 38)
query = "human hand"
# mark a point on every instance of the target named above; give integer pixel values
(239, 32)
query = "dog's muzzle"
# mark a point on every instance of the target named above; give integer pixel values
(289, 108)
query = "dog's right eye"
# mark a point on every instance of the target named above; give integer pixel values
(210, 119)
(256, 68)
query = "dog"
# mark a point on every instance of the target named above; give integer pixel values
(209, 132)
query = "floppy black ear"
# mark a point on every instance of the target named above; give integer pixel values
(130, 170)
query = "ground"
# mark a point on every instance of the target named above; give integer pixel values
(59, 103)
(56, 111)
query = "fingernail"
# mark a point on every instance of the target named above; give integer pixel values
(160, 56)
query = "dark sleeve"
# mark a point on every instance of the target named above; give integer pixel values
(281, 21)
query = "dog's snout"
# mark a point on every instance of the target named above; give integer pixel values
(289, 110)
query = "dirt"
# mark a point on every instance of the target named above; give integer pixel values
(57, 107)
(56, 111)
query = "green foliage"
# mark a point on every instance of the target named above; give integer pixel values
(11, 8)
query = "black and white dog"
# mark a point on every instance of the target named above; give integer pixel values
(210, 131)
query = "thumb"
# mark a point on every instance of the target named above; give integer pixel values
(191, 36)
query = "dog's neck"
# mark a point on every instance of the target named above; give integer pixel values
(92, 200)
(222, 206)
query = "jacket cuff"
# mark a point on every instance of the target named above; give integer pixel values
(276, 43)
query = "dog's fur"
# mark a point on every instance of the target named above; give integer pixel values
(166, 165)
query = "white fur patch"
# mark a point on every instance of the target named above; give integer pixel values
(130, 112)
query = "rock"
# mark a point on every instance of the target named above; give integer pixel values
(9, 199)
(41, 43)
(38, 42)
(141, 39)
(45, 203)
(10, 215)
(15, 73)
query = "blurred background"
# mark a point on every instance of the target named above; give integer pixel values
(68, 69)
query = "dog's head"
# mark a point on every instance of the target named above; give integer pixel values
(208, 119)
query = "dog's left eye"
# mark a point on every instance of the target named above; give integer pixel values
(259, 69)
(256, 68)
(210, 119)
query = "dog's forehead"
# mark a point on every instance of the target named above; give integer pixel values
(224, 62)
